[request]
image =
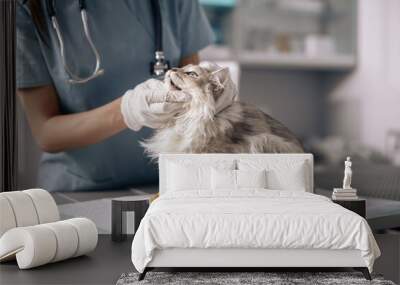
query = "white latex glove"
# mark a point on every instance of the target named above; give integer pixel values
(151, 104)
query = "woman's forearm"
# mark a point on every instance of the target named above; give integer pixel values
(55, 132)
(64, 132)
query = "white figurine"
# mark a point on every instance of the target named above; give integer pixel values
(347, 174)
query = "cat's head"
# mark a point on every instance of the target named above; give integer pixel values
(205, 83)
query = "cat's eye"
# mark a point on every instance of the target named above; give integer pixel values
(192, 74)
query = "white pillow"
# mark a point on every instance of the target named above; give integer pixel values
(251, 178)
(281, 174)
(226, 179)
(183, 178)
(294, 178)
(223, 179)
(189, 175)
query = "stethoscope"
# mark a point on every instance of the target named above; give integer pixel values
(157, 68)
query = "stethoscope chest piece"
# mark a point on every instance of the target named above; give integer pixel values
(160, 66)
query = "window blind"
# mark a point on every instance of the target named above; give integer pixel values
(8, 126)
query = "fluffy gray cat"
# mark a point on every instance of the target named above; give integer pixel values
(206, 126)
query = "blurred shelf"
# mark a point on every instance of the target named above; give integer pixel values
(253, 59)
(218, 3)
(298, 61)
(301, 7)
(217, 53)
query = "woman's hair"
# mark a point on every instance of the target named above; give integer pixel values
(38, 18)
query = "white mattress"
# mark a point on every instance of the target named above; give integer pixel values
(258, 219)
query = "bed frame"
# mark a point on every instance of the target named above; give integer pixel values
(242, 259)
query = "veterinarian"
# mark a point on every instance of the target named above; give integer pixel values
(72, 96)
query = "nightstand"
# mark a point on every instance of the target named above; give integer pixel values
(137, 204)
(357, 206)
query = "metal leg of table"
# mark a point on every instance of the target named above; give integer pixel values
(116, 222)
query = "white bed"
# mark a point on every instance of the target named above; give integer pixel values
(201, 221)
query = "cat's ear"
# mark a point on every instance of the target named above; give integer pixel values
(222, 74)
(218, 79)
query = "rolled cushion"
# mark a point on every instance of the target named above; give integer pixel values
(26, 208)
(87, 234)
(7, 218)
(40, 244)
(45, 205)
(23, 208)
(67, 237)
(32, 246)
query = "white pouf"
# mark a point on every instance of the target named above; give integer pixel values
(37, 245)
(31, 232)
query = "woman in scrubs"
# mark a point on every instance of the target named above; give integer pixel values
(80, 128)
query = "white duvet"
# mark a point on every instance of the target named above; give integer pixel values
(250, 219)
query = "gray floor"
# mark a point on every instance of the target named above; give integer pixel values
(103, 266)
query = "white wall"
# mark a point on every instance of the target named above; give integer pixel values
(365, 105)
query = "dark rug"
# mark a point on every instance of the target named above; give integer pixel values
(269, 278)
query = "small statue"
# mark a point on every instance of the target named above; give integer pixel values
(347, 174)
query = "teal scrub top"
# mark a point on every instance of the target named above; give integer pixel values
(123, 32)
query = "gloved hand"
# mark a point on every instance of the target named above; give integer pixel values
(151, 104)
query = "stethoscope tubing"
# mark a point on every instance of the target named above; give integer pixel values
(157, 20)
(73, 78)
